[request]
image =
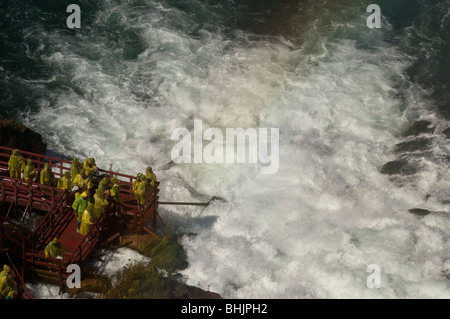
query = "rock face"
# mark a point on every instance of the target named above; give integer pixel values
(409, 152)
(446, 132)
(16, 135)
(400, 166)
(413, 154)
(160, 278)
(419, 127)
(419, 212)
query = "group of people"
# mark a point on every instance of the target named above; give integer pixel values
(88, 192)
(90, 199)
(19, 169)
(79, 179)
(87, 200)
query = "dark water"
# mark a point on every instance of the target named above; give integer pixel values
(419, 28)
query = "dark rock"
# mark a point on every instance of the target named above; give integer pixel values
(419, 127)
(197, 293)
(398, 167)
(96, 285)
(419, 144)
(446, 132)
(158, 279)
(393, 167)
(18, 136)
(419, 212)
(137, 242)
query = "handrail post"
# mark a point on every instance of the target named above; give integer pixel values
(30, 195)
(15, 191)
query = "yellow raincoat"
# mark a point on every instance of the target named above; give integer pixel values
(47, 175)
(16, 164)
(65, 182)
(89, 166)
(151, 177)
(100, 202)
(87, 220)
(142, 190)
(29, 171)
(84, 183)
(7, 283)
(80, 205)
(54, 249)
(75, 167)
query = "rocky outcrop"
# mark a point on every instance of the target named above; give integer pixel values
(158, 279)
(90, 288)
(414, 153)
(400, 166)
(16, 135)
(415, 144)
(420, 212)
(139, 243)
(446, 132)
(419, 127)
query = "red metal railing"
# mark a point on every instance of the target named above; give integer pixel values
(21, 287)
(54, 222)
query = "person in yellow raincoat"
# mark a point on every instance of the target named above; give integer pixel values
(141, 189)
(151, 177)
(29, 172)
(101, 200)
(87, 220)
(16, 164)
(136, 184)
(103, 184)
(7, 283)
(47, 176)
(115, 181)
(65, 182)
(116, 200)
(54, 249)
(83, 182)
(89, 166)
(75, 167)
(79, 206)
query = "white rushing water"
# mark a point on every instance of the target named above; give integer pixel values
(311, 229)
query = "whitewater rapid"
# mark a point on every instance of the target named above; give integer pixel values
(311, 229)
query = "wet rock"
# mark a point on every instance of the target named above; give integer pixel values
(419, 127)
(446, 132)
(398, 167)
(419, 212)
(139, 243)
(96, 285)
(419, 144)
(159, 279)
(16, 135)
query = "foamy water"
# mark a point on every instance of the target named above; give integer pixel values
(311, 229)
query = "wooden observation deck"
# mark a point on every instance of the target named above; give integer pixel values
(22, 246)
